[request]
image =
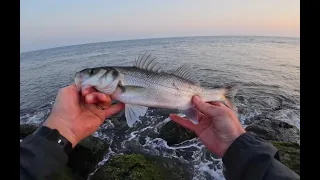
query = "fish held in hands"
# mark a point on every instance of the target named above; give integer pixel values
(145, 85)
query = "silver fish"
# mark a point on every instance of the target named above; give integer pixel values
(145, 85)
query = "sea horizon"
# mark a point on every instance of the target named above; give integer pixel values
(168, 37)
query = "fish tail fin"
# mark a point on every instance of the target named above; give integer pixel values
(224, 95)
(229, 94)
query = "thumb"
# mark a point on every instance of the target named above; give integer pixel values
(95, 99)
(183, 122)
(206, 108)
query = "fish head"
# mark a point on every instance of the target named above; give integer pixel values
(95, 77)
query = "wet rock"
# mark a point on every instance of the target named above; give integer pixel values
(120, 123)
(26, 129)
(86, 155)
(174, 133)
(141, 167)
(276, 130)
(283, 136)
(289, 154)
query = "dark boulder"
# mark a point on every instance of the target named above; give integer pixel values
(285, 137)
(27, 129)
(141, 167)
(174, 133)
(86, 155)
(276, 130)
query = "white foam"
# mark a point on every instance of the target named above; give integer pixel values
(200, 166)
(100, 132)
(34, 118)
(159, 147)
(289, 116)
(244, 117)
(149, 127)
(133, 135)
(101, 163)
(204, 167)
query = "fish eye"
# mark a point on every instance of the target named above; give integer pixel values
(92, 71)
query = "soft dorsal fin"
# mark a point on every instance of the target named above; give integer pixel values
(146, 61)
(185, 72)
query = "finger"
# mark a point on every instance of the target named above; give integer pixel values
(87, 91)
(201, 106)
(103, 106)
(114, 109)
(72, 91)
(71, 87)
(183, 122)
(216, 103)
(200, 116)
(104, 113)
(222, 106)
(102, 100)
(206, 108)
(94, 109)
(96, 97)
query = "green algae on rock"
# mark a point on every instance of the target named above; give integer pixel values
(140, 167)
(289, 153)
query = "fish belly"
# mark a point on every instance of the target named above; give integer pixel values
(158, 97)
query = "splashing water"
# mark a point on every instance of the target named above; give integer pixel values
(267, 72)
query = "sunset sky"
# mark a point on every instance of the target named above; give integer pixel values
(46, 24)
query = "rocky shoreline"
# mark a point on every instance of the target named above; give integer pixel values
(89, 152)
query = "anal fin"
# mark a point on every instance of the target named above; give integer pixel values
(191, 113)
(133, 112)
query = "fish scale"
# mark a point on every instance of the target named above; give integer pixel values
(144, 85)
(139, 77)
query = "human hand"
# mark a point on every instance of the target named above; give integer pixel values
(218, 125)
(76, 116)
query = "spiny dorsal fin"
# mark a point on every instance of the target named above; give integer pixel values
(146, 61)
(185, 72)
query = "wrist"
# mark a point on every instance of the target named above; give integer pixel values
(55, 137)
(229, 143)
(62, 128)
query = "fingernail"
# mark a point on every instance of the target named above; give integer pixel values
(196, 98)
(84, 92)
(102, 97)
(89, 97)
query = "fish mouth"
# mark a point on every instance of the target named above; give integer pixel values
(78, 81)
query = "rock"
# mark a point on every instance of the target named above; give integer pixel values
(86, 155)
(289, 154)
(274, 130)
(283, 136)
(139, 167)
(174, 133)
(26, 129)
(120, 123)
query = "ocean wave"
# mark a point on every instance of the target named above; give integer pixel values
(267, 72)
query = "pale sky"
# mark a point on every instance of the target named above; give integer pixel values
(45, 24)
